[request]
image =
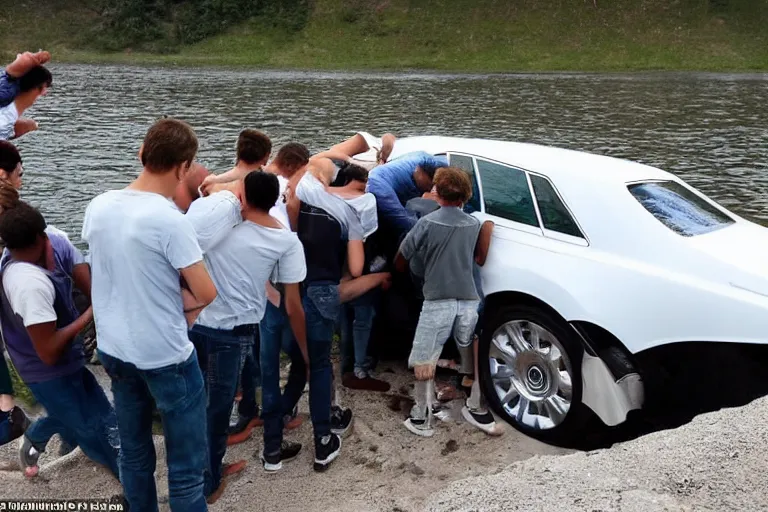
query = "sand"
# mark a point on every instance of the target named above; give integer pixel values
(382, 466)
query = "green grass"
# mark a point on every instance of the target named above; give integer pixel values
(20, 390)
(456, 35)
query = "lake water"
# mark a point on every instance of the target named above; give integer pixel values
(710, 129)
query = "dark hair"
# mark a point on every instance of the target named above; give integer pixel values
(452, 184)
(253, 146)
(261, 190)
(168, 143)
(9, 156)
(351, 172)
(20, 226)
(35, 78)
(292, 157)
(430, 169)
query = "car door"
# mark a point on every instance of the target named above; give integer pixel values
(535, 235)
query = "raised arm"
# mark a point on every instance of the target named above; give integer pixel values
(26, 61)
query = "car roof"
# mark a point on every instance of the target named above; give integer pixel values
(561, 165)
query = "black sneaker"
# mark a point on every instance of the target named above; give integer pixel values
(326, 451)
(288, 452)
(483, 420)
(19, 423)
(341, 420)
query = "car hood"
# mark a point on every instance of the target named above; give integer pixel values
(742, 248)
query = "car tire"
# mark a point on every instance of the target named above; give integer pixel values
(538, 373)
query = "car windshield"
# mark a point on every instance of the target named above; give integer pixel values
(678, 208)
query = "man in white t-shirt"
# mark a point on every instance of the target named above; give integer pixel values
(241, 262)
(140, 246)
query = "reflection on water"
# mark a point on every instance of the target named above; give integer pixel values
(712, 130)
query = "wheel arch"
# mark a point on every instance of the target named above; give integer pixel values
(611, 380)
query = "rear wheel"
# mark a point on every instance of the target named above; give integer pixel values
(530, 366)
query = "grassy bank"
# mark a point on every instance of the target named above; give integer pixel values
(461, 35)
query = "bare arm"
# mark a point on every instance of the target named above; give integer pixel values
(26, 61)
(483, 243)
(401, 264)
(24, 126)
(355, 257)
(200, 286)
(50, 342)
(81, 275)
(295, 311)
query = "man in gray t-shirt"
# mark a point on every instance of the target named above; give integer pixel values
(446, 244)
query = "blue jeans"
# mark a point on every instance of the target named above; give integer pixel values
(356, 320)
(321, 307)
(276, 335)
(79, 411)
(9, 89)
(179, 393)
(220, 355)
(250, 379)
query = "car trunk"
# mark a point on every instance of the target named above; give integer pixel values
(743, 249)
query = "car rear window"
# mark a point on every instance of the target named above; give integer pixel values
(678, 208)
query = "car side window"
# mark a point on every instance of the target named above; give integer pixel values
(554, 215)
(465, 163)
(506, 193)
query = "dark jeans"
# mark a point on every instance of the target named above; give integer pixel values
(250, 379)
(79, 411)
(276, 335)
(179, 393)
(220, 355)
(6, 385)
(356, 320)
(321, 307)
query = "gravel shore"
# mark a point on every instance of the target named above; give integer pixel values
(716, 462)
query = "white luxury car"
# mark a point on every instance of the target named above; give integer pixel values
(593, 261)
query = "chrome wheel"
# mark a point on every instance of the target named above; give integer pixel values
(531, 374)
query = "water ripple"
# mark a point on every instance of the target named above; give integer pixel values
(710, 129)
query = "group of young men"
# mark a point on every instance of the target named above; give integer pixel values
(198, 282)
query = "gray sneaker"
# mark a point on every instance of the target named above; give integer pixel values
(28, 456)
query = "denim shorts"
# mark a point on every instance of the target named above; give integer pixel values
(438, 320)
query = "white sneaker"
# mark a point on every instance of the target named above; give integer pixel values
(482, 420)
(419, 427)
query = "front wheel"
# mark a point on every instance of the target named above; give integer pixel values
(530, 368)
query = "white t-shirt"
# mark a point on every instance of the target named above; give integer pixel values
(242, 262)
(213, 217)
(30, 293)
(280, 210)
(374, 146)
(138, 243)
(8, 117)
(311, 191)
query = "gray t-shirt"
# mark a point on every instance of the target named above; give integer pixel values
(444, 242)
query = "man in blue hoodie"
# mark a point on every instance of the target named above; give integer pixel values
(394, 184)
